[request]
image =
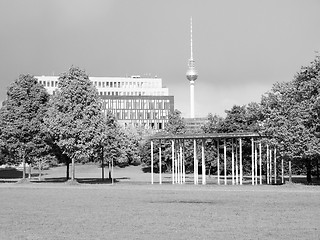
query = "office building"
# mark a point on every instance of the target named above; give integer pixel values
(134, 101)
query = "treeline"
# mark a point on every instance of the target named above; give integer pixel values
(68, 127)
(289, 114)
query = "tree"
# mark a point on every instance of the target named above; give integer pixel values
(175, 124)
(21, 120)
(291, 116)
(74, 117)
(213, 124)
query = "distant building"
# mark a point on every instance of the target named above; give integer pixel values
(195, 124)
(134, 101)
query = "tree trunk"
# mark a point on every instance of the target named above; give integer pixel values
(109, 170)
(39, 166)
(102, 165)
(290, 173)
(309, 168)
(29, 170)
(318, 177)
(73, 169)
(24, 167)
(68, 170)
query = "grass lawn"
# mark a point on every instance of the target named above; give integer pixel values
(144, 211)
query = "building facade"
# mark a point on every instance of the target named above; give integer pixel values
(134, 101)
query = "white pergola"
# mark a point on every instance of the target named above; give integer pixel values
(235, 141)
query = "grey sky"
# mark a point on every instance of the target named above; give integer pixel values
(240, 47)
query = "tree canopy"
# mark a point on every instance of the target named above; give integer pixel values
(74, 118)
(21, 120)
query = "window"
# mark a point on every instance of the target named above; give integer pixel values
(99, 84)
(107, 84)
(103, 84)
(110, 84)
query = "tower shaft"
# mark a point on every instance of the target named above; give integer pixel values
(191, 99)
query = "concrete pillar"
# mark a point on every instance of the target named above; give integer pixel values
(260, 162)
(237, 167)
(268, 166)
(160, 163)
(225, 160)
(240, 159)
(218, 162)
(232, 161)
(176, 161)
(282, 172)
(203, 163)
(172, 151)
(151, 162)
(256, 163)
(181, 163)
(275, 166)
(252, 161)
(195, 162)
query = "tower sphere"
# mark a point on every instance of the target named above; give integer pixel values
(192, 74)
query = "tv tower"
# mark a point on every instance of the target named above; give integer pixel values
(192, 75)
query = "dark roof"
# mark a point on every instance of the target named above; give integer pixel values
(208, 135)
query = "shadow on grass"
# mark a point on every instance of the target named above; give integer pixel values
(12, 173)
(96, 180)
(81, 180)
(303, 180)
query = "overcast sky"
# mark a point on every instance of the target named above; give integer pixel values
(241, 47)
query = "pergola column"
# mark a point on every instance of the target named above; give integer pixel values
(275, 166)
(256, 163)
(160, 177)
(260, 162)
(195, 162)
(270, 162)
(267, 163)
(232, 161)
(181, 163)
(172, 151)
(282, 172)
(240, 159)
(203, 163)
(237, 167)
(218, 162)
(252, 161)
(151, 162)
(176, 161)
(225, 161)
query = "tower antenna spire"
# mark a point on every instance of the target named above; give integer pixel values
(191, 74)
(191, 39)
